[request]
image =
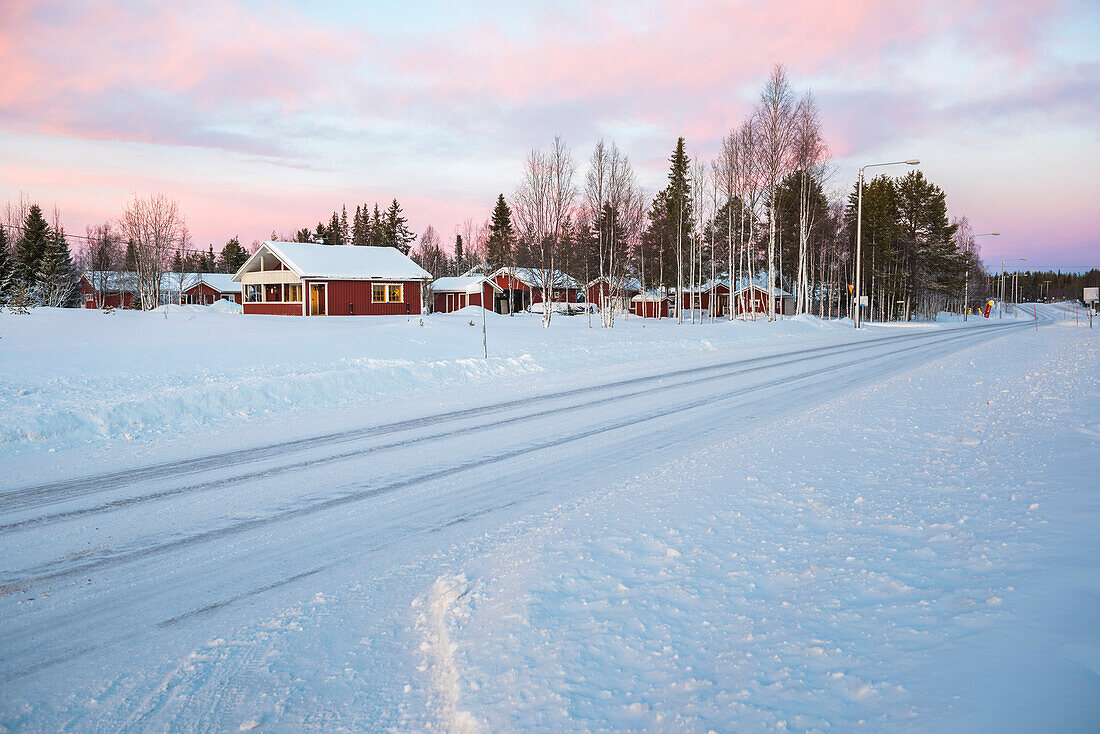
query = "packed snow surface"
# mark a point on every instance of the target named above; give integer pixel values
(723, 527)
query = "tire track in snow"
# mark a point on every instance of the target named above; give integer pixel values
(48, 494)
(54, 492)
(54, 571)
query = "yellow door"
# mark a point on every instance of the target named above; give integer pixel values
(317, 299)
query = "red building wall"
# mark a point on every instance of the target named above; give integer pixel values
(113, 299)
(210, 294)
(651, 309)
(274, 309)
(450, 301)
(353, 297)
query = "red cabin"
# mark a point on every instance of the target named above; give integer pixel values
(520, 287)
(452, 294)
(204, 289)
(108, 289)
(649, 305)
(710, 298)
(304, 279)
(616, 295)
(753, 299)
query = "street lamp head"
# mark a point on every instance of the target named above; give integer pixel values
(996, 234)
(913, 162)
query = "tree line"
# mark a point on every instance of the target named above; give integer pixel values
(757, 212)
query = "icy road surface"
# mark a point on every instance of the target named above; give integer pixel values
(567, 560)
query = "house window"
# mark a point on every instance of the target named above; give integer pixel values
(254, 293)
(273, 293)
(294, 292)
(386, 293)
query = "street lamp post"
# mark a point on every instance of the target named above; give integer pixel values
(966, 287)
(1007, 260)
(859, 232)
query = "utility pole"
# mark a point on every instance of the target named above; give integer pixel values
(859, 234)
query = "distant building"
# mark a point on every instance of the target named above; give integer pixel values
(614, 293)
(204, 289)
(305, 279)
(452, 294)
(521, 287)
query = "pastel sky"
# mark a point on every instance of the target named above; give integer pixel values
(267, 116)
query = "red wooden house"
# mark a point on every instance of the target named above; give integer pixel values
(615, 293)
(521, 287)
(305, 279)
(711, 297)
(452, 294)
(649, 305)
(108, 289)
(205, 288)
(753, 299)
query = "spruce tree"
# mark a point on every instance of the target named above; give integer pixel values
(360, 230)
(499, 245)
(397, 232)
(377, 229)
(54, 281)
(177, 262)
(232, 257)
(335, 231)
(131, 256)
(31, 245)
(460, 256)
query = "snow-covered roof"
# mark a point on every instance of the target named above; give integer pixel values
(339, 262)
(650, 297)
(461, 284)
(532, 277)
(623, 282)
(221, 282)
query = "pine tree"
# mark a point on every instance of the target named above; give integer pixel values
(335, 231)
(31, 245)
(209, 261)
(232, 256)
(54, 281)
(377, 229)
(130, 261)
(345, 229)
(360, 232)
(397, 232)
(177, 262)
(501, 236)
(460, 256)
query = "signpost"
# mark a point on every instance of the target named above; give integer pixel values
(1091, 296)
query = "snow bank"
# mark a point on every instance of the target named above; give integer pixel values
(74, 376)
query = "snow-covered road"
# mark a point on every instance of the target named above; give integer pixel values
(117, 589)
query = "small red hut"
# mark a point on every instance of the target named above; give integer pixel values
(452, 294)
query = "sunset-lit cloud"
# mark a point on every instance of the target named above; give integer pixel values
(263, 116)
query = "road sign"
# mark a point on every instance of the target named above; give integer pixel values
(864, 301)
(1092, 295)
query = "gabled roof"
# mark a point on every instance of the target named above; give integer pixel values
(624, 282)
(532, 277)
(221, 282)
(339, 262)
(461, 284)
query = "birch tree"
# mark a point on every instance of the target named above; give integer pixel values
(776, 121)
(155, 226)
(543, 206)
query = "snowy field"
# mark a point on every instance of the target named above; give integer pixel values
(212, 522)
